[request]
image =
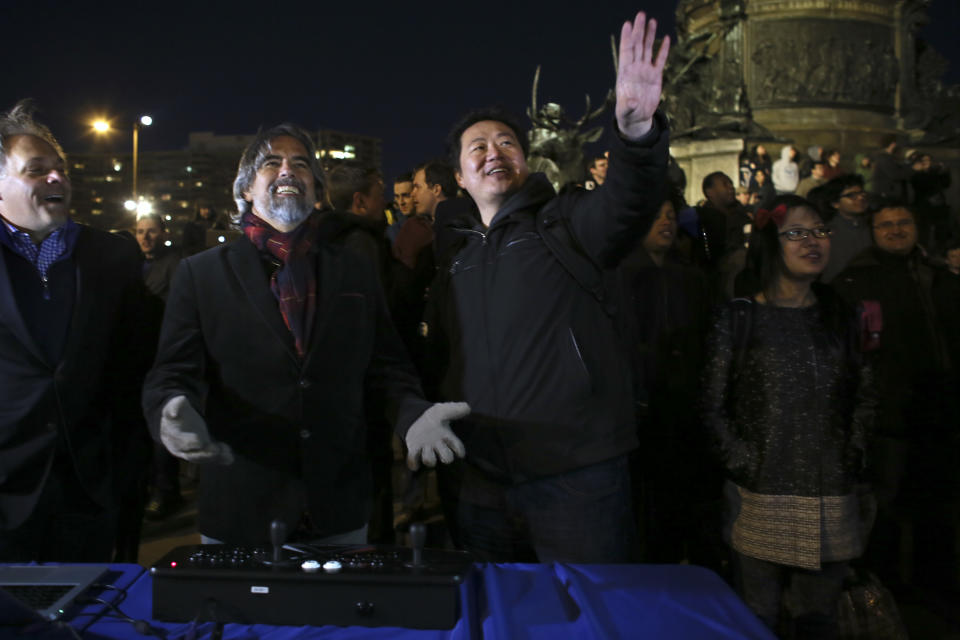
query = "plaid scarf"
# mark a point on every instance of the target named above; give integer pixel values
(294, 285)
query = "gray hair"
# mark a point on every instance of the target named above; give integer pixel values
(18, 122)
(255, 153)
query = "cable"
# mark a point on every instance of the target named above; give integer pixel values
(110, 587)
(141, 626)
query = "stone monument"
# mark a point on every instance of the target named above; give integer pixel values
(834, 73)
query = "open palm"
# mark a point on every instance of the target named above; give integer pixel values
(639, 76)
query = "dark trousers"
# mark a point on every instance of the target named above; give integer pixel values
(583, 515)
(164, 471)
(810, 597)
(381, 464)
(65, 526)
(678, 505)
(915, 483)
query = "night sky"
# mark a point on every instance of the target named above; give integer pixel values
(402, 72)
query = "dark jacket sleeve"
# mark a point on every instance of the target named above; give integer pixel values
(864, 415)
(391, 376)
(737, 455)
(608, 220)
(180, 362)
(132, 350)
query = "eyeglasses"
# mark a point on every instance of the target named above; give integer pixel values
(801, 233)
(854, 194)
(887, 226)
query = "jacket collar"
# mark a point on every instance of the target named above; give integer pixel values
(535, 192)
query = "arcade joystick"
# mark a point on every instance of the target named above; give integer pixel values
(345, 585)
(418, 540)
(278, 537)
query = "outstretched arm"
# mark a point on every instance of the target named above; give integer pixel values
(639, 76)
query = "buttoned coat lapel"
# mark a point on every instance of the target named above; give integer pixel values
(11, 317)
(244, 260)
(86, 306)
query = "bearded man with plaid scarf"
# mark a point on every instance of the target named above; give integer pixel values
(268, 348)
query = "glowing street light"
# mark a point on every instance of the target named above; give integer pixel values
(144, 121)
(100, 126)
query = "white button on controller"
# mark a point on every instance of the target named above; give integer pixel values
(310, 566)
(332, 566)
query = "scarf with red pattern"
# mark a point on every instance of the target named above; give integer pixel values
(294, 284)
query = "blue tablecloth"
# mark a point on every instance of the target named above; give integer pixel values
(515, 601)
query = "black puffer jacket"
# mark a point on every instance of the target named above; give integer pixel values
(533, 352)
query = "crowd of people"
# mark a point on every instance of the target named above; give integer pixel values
(886, 174)
(762, 384)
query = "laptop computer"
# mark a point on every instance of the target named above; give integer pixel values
(45, 591)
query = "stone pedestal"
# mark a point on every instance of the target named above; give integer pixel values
(700, 158)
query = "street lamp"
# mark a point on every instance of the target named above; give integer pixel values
(144, 121)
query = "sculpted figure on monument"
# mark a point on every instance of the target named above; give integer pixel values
(556, 142)
(823, 61)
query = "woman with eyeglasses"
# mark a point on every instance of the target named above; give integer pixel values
(785, 395)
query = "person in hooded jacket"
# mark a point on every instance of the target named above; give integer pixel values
(786, 173)
(546, 475)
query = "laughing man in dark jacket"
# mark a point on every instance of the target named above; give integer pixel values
(545, 475)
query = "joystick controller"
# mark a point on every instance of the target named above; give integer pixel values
(278, 537)
(312, 584)
(418, 540)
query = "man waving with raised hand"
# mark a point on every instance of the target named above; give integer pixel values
(531, 344)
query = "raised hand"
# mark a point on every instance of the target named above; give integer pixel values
(639, 76)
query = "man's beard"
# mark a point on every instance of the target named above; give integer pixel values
(288, 211)
(285, 210)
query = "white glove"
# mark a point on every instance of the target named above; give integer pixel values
(430, 436)
(184, 434)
